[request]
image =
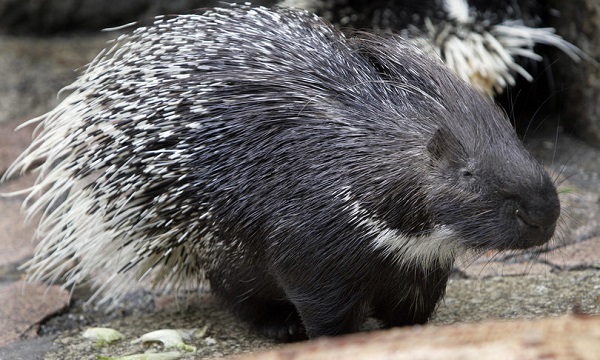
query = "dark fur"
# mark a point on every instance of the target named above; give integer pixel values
(300, 125)
(386, 15)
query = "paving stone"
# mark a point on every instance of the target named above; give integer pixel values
(31, 349)
(576, 256)
(15, 234)
(482, 269)
(23, 307)
(12, 142)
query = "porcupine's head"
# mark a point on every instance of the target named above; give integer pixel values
(458, 178)
(481, 181)
(486, 187)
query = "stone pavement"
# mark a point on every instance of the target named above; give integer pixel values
(563, 277)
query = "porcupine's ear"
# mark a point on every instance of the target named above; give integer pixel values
(444, 148)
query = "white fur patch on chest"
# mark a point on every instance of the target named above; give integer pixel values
(440, 247)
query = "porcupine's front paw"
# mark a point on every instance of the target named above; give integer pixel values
(281, 323)
(275, 319)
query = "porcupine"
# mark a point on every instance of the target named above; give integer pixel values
(486, 43)
(312, 179)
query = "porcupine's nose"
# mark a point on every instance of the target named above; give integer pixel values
(537, 219)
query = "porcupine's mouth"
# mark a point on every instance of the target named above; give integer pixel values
(530, 231)
(535, 230)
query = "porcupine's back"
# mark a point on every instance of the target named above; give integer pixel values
(178, 116)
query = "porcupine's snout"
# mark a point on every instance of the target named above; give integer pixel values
(537, 220)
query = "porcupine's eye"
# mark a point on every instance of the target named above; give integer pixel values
(467, 174)
(467, 179)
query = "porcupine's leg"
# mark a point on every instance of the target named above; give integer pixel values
(254, 297)
(267, 311)
(330, 301)
(331, 316)
(413, 300)
(274, 318)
